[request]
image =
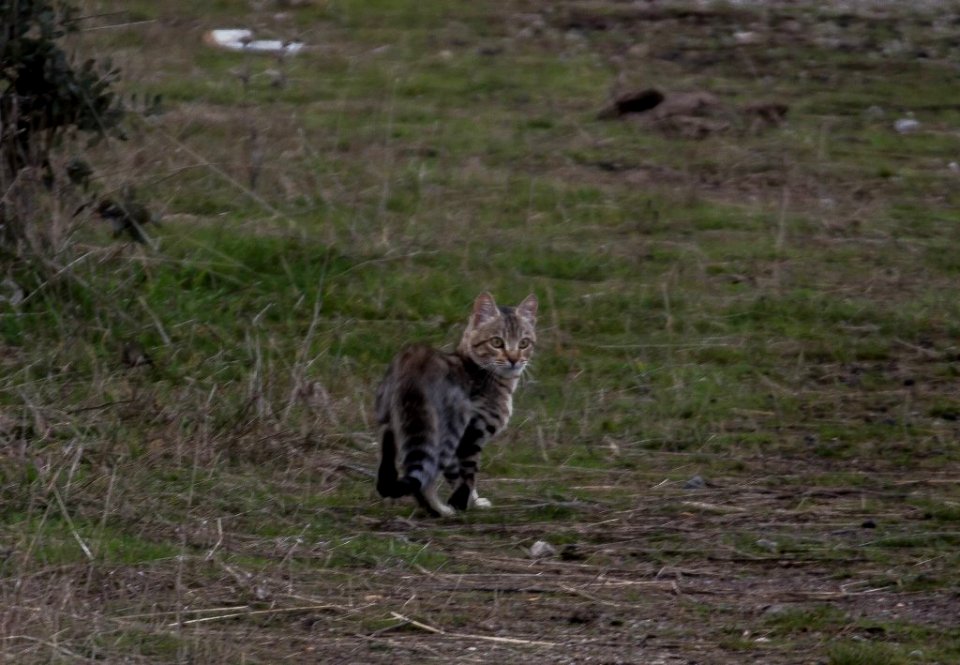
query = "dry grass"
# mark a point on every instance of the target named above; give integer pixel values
(771, 309)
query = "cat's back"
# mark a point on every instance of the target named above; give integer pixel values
(419, 368)
(424, 363)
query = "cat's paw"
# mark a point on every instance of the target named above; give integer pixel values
(482, 503)
(444, 510)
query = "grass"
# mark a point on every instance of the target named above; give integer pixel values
(857, 654)
(772, 309)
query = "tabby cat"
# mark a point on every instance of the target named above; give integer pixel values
(437, 410)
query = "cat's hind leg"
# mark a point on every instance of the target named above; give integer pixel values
(389, 484)
(420, 453)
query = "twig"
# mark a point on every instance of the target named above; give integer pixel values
(485, 638)
(713, 507)
(921, 481)
(69, 521)
(219, 542)
(112, 26)
(234, 615)
(384, 259)
(343, 466)
(151, 615)
(97, 407)
(781, 239)
(156, 321)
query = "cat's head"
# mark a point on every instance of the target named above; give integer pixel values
(501, 339)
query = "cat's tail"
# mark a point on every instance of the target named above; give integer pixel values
(389, 484)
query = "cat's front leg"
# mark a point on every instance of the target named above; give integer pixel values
(465, 495)
(468, 457)
(477, 501)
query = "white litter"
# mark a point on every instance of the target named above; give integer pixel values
(906, 125)
(242, 40)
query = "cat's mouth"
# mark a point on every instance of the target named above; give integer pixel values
(508, 370)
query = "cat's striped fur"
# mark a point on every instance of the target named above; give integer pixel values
(436, 410)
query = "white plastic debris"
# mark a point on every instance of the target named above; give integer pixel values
(906, 125)
(242, 40)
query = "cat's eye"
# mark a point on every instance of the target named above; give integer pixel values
(496, 342)
(525, 342)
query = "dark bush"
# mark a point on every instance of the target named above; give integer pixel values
(45, 96)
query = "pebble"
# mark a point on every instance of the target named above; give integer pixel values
(542, 549)
(695, 483)
(769, 545)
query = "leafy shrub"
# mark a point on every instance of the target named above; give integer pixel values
(45, 97)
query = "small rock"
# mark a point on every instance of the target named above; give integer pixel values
(134, 355)
(695, 483)
(874, 112)
(953, 166)
(277, 78)
(11, 292)
(745, 37)
(777, 609)
(542, 549)
(633, 102)
(894, 47)
(770, 113)
(490, 50)
(791, 27)
(906, 125)
(868, 524)
(769, 545)
(583, 615)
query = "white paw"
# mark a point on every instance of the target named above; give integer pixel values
(482, 503)
(444, 510)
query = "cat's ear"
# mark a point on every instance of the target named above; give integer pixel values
(484, 309)
(528, 308)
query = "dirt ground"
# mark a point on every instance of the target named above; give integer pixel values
(742, 446)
